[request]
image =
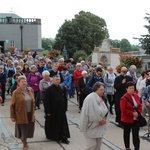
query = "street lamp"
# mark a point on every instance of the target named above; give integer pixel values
(0, 48)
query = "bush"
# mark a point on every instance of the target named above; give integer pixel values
(80, 53)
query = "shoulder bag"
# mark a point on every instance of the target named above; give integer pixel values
(142, 120)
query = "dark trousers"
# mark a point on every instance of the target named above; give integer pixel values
(81, 99)
(37, 98)
(3, 93)
(127, 127)
(111, 100)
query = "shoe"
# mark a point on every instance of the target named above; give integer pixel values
(2, 104)
(39, 108)
(65, 141)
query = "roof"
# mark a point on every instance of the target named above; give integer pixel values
(5, 15)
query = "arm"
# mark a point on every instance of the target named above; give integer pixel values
(12, 108)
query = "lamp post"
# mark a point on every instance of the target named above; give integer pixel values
(21, 31)
(0, 48)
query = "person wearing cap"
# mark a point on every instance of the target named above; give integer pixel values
(96, 77)
(81, 88)
(119, 85)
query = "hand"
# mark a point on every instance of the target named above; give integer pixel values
(13, 119)
(148, 104)
(103, 121)
(48, 114)
(36, 84)
(36, 73)
(79, 93)
(135, 114)
(124, 81)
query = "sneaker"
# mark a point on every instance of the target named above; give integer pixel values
(2, 104)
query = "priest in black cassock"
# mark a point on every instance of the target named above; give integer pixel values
(56, 125)
(119, 85)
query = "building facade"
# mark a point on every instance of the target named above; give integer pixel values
(23, 33)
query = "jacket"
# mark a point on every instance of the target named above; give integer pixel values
(93, 111)
(18, 106)
(127, 109)
(33, 79)
(76, 75)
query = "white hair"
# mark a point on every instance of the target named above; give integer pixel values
(78, 64)
(45, 73)
(84, 72)
(132, 67)
(82, 61)
(61, 59)
(16, 61)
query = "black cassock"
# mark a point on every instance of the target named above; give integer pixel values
(120, 91)
(56, 125)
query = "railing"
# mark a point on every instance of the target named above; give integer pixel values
(10, 20)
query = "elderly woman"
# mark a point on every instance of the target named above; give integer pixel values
(34, 78)
(132, 73)
(129, 116)
(93, 117)
(109, 79)
(22, 111)
(44, 83)
(81, 88)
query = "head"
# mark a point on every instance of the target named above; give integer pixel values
(16, 77)
(46, 75)
(9, 62)
(84, 74)
(41, 64)
(65, 69)
(18, 69)
(22, 82)
(124, 71)
(16, 63)
(110, 70)
(8, 54)
(56, 80)
(99, 71)
(130, 87)
(1, 68)
(99, 88)
(132, 68)
(55, 66)
(78, 66)
(33, 68)
(82, 62)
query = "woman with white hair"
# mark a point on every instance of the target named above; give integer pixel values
(82, 92)
(44, 83)
(132, 73)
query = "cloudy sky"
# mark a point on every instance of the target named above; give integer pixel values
(124, 18)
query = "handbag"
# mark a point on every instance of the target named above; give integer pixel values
(142, 121)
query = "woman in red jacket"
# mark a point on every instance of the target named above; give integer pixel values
(129, 116)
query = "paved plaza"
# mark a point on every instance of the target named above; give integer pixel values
(113, 139)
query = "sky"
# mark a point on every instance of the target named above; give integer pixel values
(124, 18)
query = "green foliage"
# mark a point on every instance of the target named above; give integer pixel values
(134, 48)
(47, 43)
(80, 53)
(115, 43)
(84, 31)
(125, 45)
(46, 53)
(145, 39)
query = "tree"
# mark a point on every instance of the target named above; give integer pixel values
(47, 43)
(84, 32)
(115, 43)
(125, 45)
(145, 39)
(78, 54)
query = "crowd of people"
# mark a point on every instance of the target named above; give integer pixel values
(33, 80)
